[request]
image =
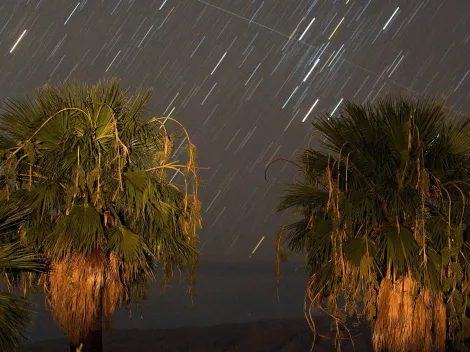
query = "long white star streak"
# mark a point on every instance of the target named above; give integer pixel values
(254, 250)
(145, 36)
(390, 19)
(288, 37)
(306, 29)
(256, 69)
(308, 113)
(207, 96)
(163, 4)
(71, 14)
(290, 97)
(112, 62)
(293, 117)
(164, 121)
(21, 36)
(259, 8)
(309, 72)
(215, 68)
(334, 31)
(213, 200)
(169, 13)
(168, 107)
(197, 47)
(336, 107)
(402, 57)
(460, 83)
(292, 34)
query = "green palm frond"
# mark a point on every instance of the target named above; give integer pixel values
(303, 196)
(15, 316)
(16, 258)
(11, 215)
(384, 199)
(358, 247)
(85, 172)
(398, 249)
(18, 118)
(131, 250)
(84, 222)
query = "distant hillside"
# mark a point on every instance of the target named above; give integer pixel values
(275, 335)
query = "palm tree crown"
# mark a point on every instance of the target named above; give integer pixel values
(92, 169)
(15, 260)
(381, 214)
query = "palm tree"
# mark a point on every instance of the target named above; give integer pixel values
(15, 259)
(92, 169)
(381, 213)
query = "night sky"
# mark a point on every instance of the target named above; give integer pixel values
(245, 77)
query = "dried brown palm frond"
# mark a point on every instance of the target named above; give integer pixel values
(404, 322)
(408, 290)
(77, 288)
(405, 319)
(440, 320)
(92, 168)
(421, 338)
(387, 194)
(383, 307)
(114, 292)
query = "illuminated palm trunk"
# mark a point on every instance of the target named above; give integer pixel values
(408, 318)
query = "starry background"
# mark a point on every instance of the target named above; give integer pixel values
(245, 77)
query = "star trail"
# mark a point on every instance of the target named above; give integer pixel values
(246, 77)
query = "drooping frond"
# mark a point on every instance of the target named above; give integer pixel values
(84, 222)
(15, 317)
(78, 288)
(88, 171)
(15, 260)
(382, 205)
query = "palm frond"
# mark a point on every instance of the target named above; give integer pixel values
(15, 316)
(382, 206)
(84, 222)
(84, 174)
(16, 258)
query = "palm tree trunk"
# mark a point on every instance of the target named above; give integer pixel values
(93, 342)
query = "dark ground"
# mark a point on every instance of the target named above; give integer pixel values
(274, 335)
